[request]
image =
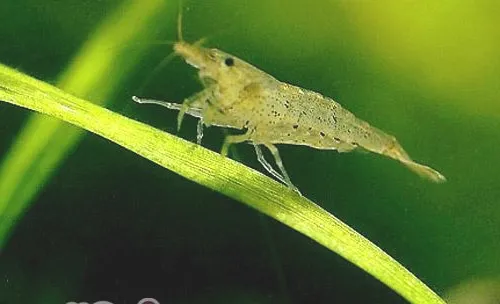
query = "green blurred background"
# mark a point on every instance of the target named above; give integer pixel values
(112, 226)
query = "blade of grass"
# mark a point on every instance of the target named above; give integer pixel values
(220, 174)
(95, 73)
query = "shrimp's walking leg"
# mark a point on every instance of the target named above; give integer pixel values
(279, 163)
(199, 131)
(193, 111)
(266, 165)
(233, 139)
(198, 100)
(193, 105)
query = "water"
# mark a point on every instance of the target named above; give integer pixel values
(109, 225)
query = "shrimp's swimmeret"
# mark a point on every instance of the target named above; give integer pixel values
(238, 95)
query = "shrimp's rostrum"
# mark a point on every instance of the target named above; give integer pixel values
(240, 96)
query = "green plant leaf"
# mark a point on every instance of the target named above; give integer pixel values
(218, 173)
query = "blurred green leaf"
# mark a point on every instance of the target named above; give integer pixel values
(96, 72)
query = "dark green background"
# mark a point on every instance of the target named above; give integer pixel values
(113, 226)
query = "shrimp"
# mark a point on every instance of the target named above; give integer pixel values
(240, 96)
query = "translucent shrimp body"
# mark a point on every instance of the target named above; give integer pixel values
(238, 95)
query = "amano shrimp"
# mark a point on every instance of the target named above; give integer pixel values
(240, 96)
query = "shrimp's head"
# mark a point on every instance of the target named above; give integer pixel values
(194, 55)
(214, 64)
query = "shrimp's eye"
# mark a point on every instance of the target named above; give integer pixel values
(229, 61)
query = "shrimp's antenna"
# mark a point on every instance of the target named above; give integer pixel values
(172, 55)
(158, 67)
(141, 43)
(199, 42)
(179, 22)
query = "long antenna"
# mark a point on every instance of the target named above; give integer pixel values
(179, 22)
(170, 56)
(158, 68)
